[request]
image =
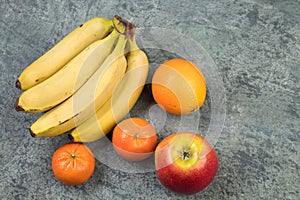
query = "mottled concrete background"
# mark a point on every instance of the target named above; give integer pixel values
(256, 46)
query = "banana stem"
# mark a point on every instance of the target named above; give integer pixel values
(130, 34)
(120, 46)
(124, 26)
(119, 24)
(112, 34)
(130, 31)
(132, 44)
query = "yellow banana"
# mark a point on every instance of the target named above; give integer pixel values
(90, 97)
(59, 55)
(67, 80)
(121, 102)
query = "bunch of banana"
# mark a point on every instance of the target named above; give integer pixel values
(85, 82)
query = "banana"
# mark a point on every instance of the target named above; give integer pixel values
(121, 102)
(90, 97)
(59, 55)
(67, 80)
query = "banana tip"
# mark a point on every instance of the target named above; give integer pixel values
(18, 107)
(71, 137)
(18, 85)
(31, 133)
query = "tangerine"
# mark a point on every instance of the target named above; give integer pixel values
(73, 163)
(134, 139)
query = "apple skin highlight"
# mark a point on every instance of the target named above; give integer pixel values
(185, 176)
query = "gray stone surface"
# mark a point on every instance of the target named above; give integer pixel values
(256, 46)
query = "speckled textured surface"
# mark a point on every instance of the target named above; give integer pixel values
(256, 46)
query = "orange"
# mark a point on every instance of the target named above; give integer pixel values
(134, 139)
(73, 163)
(178, 86)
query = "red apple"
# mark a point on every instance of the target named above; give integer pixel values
(185, 163)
